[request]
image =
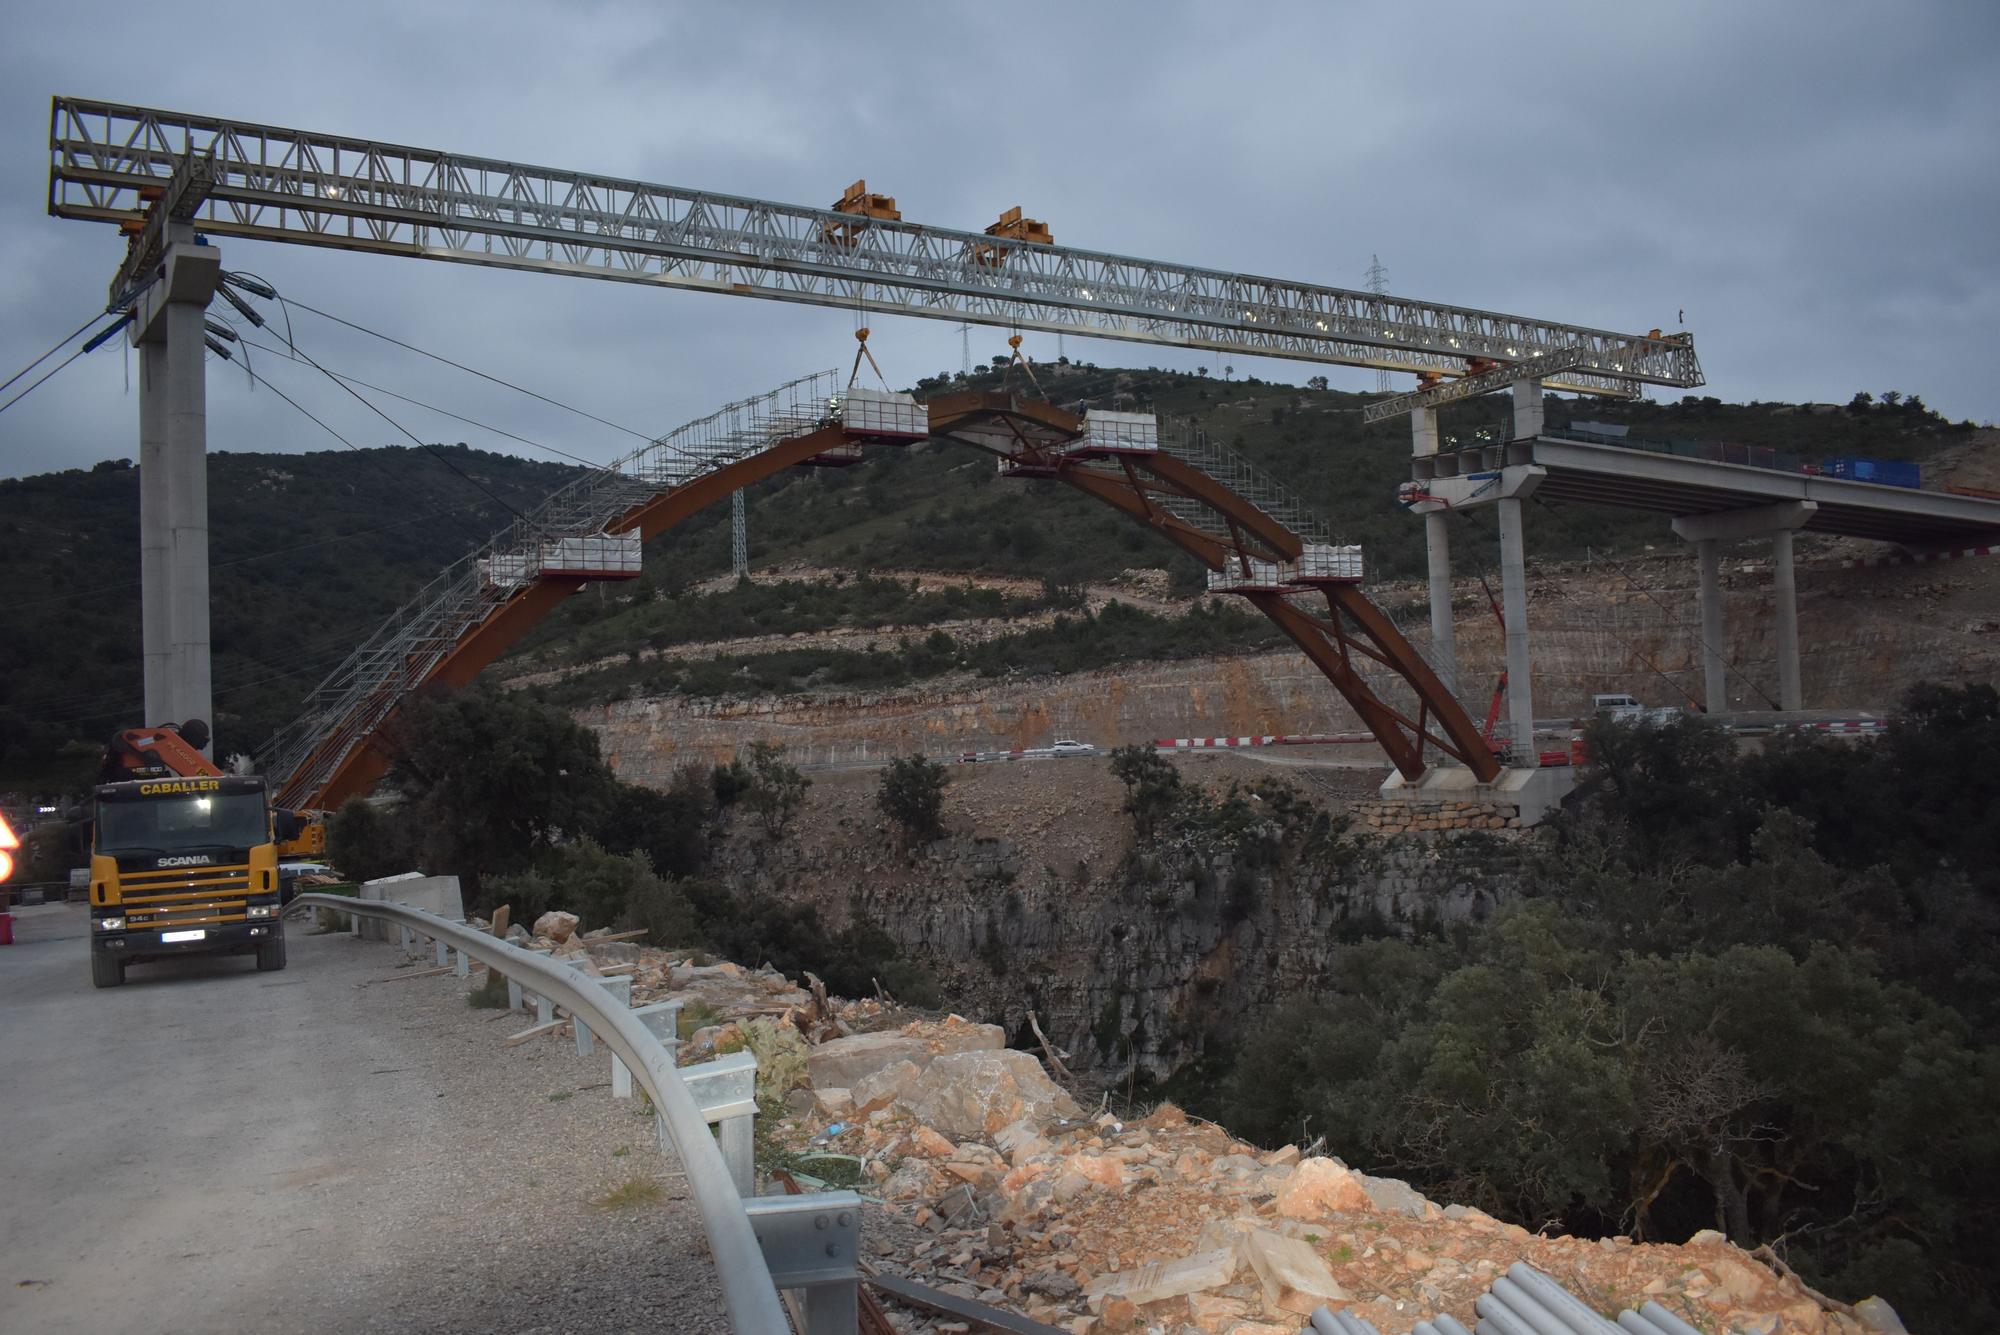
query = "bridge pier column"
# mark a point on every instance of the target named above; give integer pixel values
(1714, 671)
(1528, 410)
(1514, 580)
(1437, 547)
(173, 481)
(1708, 532)
(1514, 606)
(1785, 599)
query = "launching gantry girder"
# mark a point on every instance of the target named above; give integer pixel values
(274, 184)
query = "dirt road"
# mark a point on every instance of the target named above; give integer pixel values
(211, 1149)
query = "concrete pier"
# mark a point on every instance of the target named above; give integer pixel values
(1708, 532)
(1437, 548)
(173, 481)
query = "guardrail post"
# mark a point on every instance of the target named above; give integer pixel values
(662, 1021)
(443, 951)
(461, 963)
(726, 1091)
(621, 987)
(406, 940)
(813, 1242)
(513, 995)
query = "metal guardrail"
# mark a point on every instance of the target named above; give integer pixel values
(760, 1244)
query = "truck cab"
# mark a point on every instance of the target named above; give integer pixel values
(183, 865)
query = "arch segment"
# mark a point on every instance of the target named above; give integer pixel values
(1222, 526)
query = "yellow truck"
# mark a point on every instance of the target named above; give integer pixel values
(185, 865)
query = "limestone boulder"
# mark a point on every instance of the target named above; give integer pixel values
(556, 925)
(879, 1089)
(1391, 1196)
(844, 1063)
(957, 1034)
(1319, 1187)
(977, 1094)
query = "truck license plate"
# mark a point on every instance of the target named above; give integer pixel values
(195, 935)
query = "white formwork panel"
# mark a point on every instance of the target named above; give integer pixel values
(1121, 433)
(599, 555)
(1262, 575)
(507, 570)
(875, 412)
(1320, 561)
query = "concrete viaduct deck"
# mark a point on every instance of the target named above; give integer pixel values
(1635, 478)
(1713, 503)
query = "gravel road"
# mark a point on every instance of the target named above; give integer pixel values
(210, 1149)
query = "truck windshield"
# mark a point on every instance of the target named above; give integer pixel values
(169, 824)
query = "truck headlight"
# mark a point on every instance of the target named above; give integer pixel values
(110, 924)
(260, 911)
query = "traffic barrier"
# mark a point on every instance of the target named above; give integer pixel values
(1292, 739)
(760, 1244)
(1920, 558)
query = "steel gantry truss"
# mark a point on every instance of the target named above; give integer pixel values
(1549, 368)
(275, 184)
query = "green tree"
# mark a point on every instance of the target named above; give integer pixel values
(364, 841)
(912, 795)
(489, 779)
(777, 789)
(1152, 785)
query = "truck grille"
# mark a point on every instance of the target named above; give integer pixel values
(169, 899)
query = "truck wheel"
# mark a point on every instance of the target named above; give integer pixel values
(271, 954)
(107, 971)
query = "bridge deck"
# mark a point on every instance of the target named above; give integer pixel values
(1671, 484)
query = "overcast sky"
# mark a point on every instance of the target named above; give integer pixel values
(1815, 184)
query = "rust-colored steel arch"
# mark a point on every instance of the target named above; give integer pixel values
(362, 767)
(1034, 438)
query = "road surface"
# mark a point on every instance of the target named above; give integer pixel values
(210, 1149)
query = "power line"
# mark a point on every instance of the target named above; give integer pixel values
(476, 534)
(44, 380)
(284, 354)
(431, 449)
(52, 352)
(459, 366)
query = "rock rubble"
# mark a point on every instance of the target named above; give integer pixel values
(994, 1184)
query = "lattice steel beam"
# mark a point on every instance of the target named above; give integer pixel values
(1548, 369)
(292, 185)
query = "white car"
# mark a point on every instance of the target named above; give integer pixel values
(1067, 747)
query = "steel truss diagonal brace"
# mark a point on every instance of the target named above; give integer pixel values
(320, 189)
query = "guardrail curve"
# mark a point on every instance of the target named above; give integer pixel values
(759, 1245)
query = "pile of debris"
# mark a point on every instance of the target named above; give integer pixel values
(998, 1189)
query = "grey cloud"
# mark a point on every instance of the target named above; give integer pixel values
(1812, 182)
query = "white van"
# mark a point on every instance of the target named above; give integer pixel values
(1617, 706)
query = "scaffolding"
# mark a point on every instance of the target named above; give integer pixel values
(570, 535)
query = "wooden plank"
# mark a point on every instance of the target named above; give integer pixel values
(536, 1032)
(609, 937)
(958, 1309)
(613, 970)
(418, 973)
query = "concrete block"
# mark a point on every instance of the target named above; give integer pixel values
(1157, 1280)
(1294, 1277)
(433, 894)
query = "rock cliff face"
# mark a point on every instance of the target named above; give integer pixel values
(1867, 634)
(1136, 959)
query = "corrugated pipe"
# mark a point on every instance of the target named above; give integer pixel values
(1653, 1319)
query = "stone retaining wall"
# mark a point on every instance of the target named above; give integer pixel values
(1397, 816)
